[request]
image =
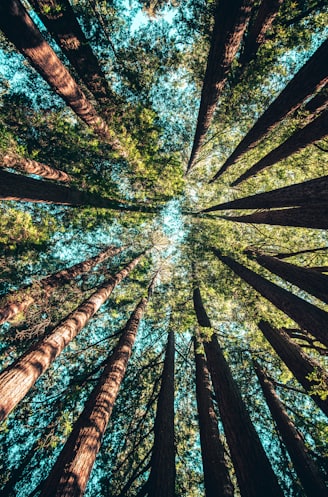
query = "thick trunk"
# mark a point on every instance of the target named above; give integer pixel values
(161, 482)
(306, 370)
(309, 79)
(312, 132)
(17, 379)
(70, 474)
(231, 19)
(217, 480)
(308, 316)
(29, 166)
(304, 466)
(24, 296)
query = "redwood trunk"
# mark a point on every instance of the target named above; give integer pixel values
(50, 283)
(161, 482)
(308, 316)
(217, 480)
(70, 474)
(29, 166)
(298, 362)
(309, 79)
(312, 132)
(17, 379)
(318, 103)
(304, 466)
(230, 22)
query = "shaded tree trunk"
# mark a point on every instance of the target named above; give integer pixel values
(312, 132)
(286, 255)
(308, 316)
(21, 299)
(217, 480)
(304, 368)
(317, 104)
(309, 79)
(29, 166)
(305, 467)
(17, 379)
(231, 18)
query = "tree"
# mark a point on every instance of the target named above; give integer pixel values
(30, 166)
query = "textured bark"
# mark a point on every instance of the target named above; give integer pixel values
(304, 466)
(161, 482)
(29, 166)
(24, 296)
(217, 480)
(70, 474)
(17, 379)
(308, 192)
(309, 79)
(308, 316)
(231, 18)
(312, 132)
(298, 362)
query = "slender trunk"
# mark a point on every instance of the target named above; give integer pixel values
(308, 316)
(315, 216)
(254, 474)
(161, 482)
(29, 166)
(312, 132)
(309, 79)
(22, 298)
(216, 473)
(70, 474)
(304, 466)
(286, 255)
(230, 22)
(318, 103)
(306, 370)
(17, 379)
(308, 192)
(309, 280)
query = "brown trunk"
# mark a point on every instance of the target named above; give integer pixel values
(318, 103)
(309, 79)
(161, 482)
(217, 480)
(70, 474)
(24, 296)
(254, 474)
(316, 130)
(308, 316)
(17, 379)
(230, 22)
(29, 166)
(286, 255)
(304, 466)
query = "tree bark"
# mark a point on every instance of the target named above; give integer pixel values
(29, 166)
(161, 482)
(17, 379)
(286, 255)
(298, 362)
(304, 466)
(308, 316)
(217, 480)
(317, 104)
(309, 79)
(24, 296)
(312, 132)
(231, 18)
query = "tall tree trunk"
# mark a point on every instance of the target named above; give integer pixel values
(318, 103)
(161, 482)
(231, 18)
(29, 166)
(17, 379)
(286, 255)
(22, 32)
(309, 79)
(21, 299)
(314, 216)
(254, 474)
(309, 280)
(70, 474)
(217, 480)
(305, 193)
(308, 316)
(306, 370)
(312, 132)
(304, 466)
